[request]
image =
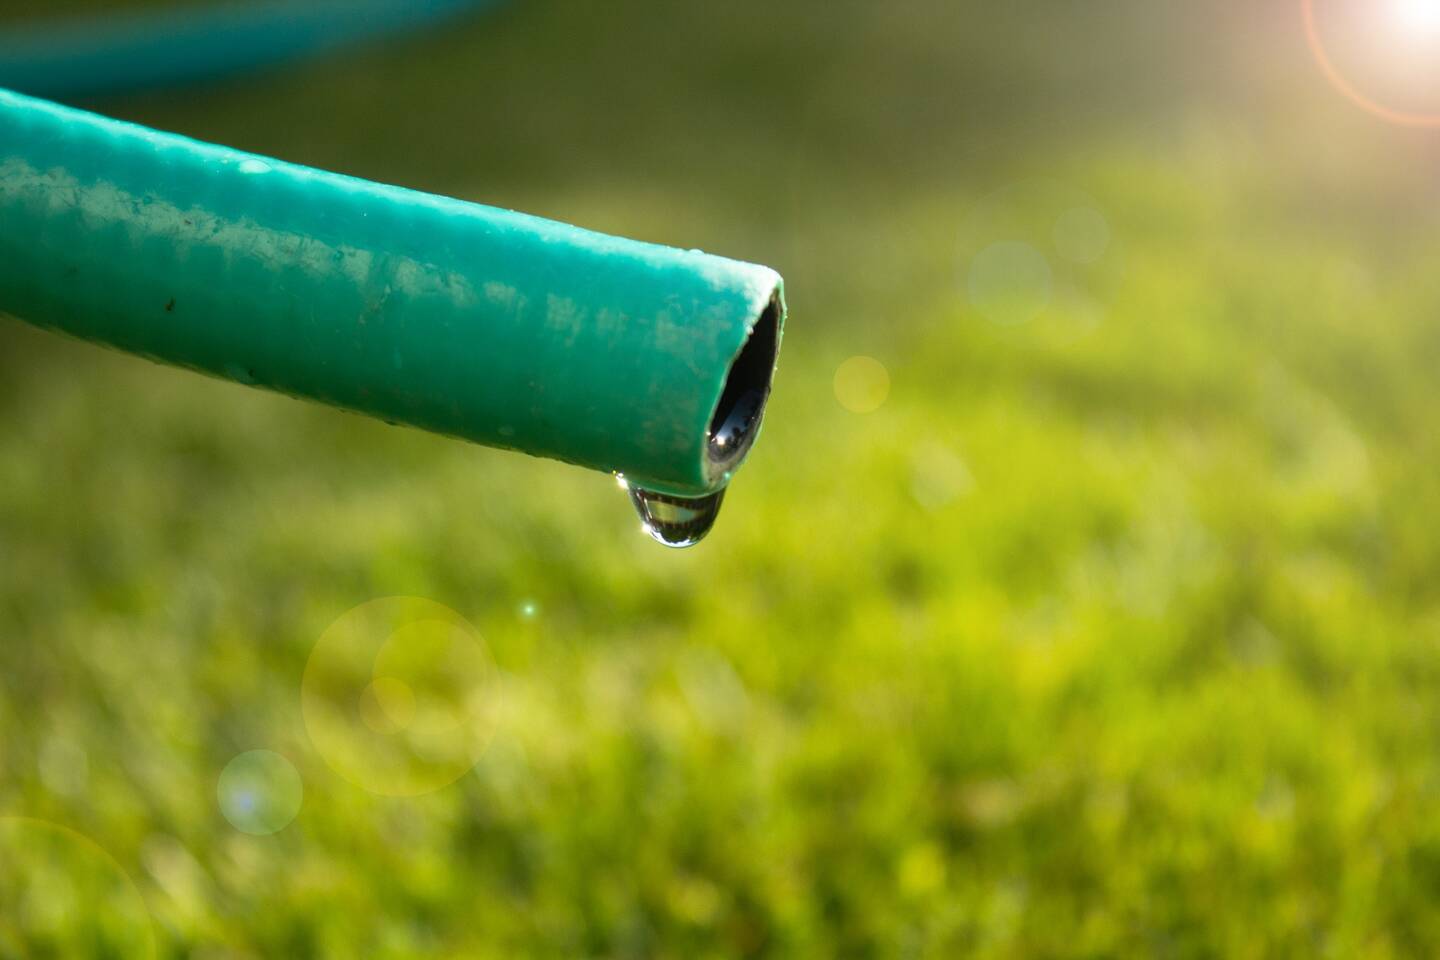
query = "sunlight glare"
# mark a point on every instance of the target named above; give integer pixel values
(1418, 18)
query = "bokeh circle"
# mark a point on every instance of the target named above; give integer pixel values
(1010, 281)
(1081, 235)
(1032, 250)
(260, 792)
(861, 384)
(399, 696)
(61, 895)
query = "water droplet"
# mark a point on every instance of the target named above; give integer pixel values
(671, 520)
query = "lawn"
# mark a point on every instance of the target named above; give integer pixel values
(1096, 614)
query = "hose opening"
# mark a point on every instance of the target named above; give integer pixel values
(733, 426)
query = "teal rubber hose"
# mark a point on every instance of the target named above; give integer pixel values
(475, 322)
(118, 53)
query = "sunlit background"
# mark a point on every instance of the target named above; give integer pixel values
(1081, 598)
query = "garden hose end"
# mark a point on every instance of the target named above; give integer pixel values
(471, 321)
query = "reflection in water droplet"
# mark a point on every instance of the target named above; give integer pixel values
(675, 521)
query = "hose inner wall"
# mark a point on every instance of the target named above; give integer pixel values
(736, 421)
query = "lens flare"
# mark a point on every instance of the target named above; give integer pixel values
(61, 895)
(260, 792)
(399, 696)
(1030, 250)
(1409, 34)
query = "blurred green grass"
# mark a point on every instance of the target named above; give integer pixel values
(1111, 632)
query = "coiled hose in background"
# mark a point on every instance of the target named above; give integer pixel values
(121, 53)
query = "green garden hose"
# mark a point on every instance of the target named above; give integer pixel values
(479, 323)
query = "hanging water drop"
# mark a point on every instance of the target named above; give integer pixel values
(676, 521)
(734, 423)
(671, 520)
